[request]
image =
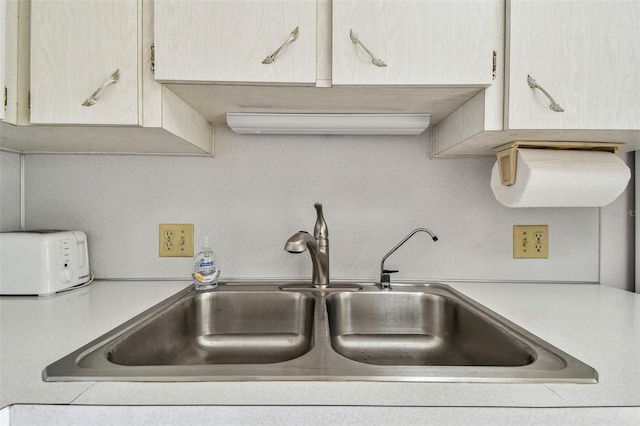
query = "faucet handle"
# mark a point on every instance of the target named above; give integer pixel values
(385, 274)
(320, 230)
(385, 278)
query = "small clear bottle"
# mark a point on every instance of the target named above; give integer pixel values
(206, 268)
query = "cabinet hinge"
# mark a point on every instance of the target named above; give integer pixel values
(495, 64)
(5, 98)
(29, 99)
(153, 58)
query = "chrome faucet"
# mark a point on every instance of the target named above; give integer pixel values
(385, 278)
(318, 247)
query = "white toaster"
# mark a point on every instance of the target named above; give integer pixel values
(42, 262)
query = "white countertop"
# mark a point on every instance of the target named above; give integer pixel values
(598, 325)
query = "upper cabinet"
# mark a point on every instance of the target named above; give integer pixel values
(79, 48)
(584, 54)
(572, 73)
(13, 60)
(373, 42)
(386, 42)
(254, 41)
(3, 43)
(91, 87)
(286, 56)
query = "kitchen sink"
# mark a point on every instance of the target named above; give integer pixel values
(424, 332)
(419, 329)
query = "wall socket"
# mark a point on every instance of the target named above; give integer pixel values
(530, 241)
(176, 240)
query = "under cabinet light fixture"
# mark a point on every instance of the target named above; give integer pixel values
(328, 124)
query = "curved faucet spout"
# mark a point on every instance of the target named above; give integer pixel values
(299, 242)
(318, 247)
(385, 279)
(303, 241)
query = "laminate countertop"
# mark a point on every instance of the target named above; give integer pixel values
(597, 324)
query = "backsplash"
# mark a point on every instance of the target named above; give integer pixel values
(259, 190)
(9, 191)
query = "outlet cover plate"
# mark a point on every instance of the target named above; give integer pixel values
(176, 240)
(530, 241)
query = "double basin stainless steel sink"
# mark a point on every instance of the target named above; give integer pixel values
(283, 331)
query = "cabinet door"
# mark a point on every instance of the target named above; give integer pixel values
(585, 54)
(227, 41)
(75, 47)
(422, 42)
(3, 42)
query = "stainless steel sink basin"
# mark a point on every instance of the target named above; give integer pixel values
(289, 331)
(419, 329)
(221, 328)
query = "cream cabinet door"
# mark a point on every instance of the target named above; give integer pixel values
(3, 42)
(422, 42)
(584, 54)
(76, 46)
(228, 41)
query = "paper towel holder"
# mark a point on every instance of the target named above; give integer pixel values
(508, 153)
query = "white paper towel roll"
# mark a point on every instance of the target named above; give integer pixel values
(562, 178)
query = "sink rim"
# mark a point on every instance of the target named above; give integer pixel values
(321, 362)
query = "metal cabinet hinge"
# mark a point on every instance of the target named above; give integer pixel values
(495, 65)
(5, 98)
(29, 99)
(153, 58)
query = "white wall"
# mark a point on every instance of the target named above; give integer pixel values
(259, 190)
(9, 192)
(617, 242)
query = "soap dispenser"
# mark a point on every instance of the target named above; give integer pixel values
(206, 268)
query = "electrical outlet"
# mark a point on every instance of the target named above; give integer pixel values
(176, 240)
(530, 241)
